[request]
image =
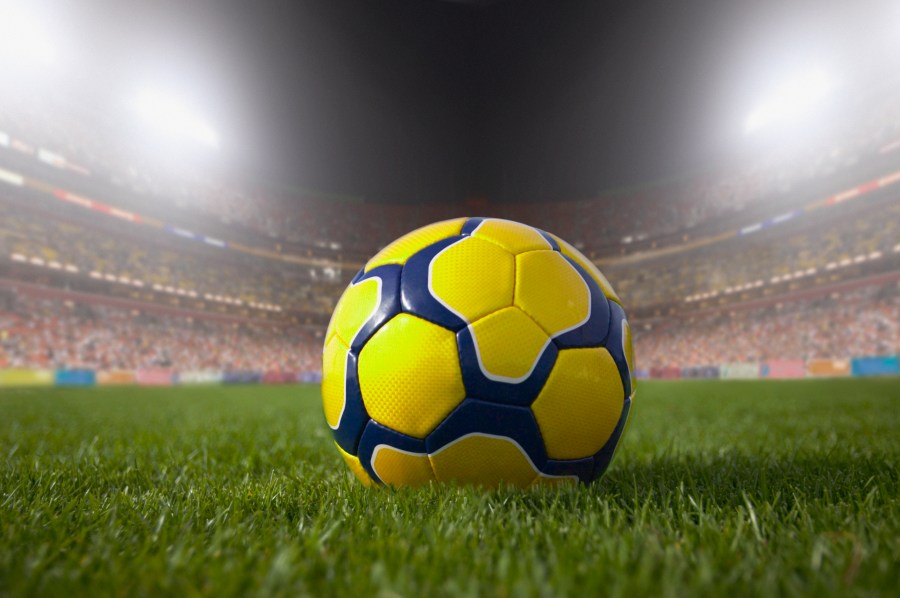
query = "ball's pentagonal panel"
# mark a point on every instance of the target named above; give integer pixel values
(472, 278)
(353, 417)
(508, 344)
(410, 376)
(400, 250)
(619, 346)
(475, 416)
(592, 333)
(514, 237)
(356, 305)
(579, 406)
(582, 260)
(483, 460)
(355, 466)
(334, 380)
(628, 348)
(551, 291)
(390, 457)
(415, 288)
(581, 469)
(605, 455)
(497, 389)
(401, 468)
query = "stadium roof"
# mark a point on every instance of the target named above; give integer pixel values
(434, 100)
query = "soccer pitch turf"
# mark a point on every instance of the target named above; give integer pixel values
(748, 488)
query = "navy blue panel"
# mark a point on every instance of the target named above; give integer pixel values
(355, 416)
(358, 275)
(376, 434)
(415, 296)
(389, 306)
(473, 416)
(604, 456)
(594, 332)
(480, 386)
(470, 226)
(614, 344)
(553, 244)
(583, 468)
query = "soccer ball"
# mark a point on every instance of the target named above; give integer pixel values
(479, 351)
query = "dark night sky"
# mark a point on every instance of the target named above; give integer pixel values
(432, 100)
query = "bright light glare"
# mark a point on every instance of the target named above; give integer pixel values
(22, 37)
(791, 101)
(172, 117)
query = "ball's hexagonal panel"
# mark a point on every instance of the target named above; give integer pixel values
(473, 278)
(508, 344)
(355, 306)
(591, 268)
(551, 291)
(355, 466)
(580, 404)
(400, 250)
(334, 379)
(401, 468)
(483, 460)
(409, 375)
(514, 237)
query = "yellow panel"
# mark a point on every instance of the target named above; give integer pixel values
(590, 267)
(508, 344)
(355, 466)
(334, 365)
(400, 250)
(473, 278)
(354, 308)
(512, 236)
(483, 460)
(551, 291)
(580, 404)
(401, 468)
(628, 349)
(410, 376)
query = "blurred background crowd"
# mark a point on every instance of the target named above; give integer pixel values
(790, 255)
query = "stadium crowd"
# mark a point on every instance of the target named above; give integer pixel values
(167, 263)
(776, 255)
(196, 271)
(56, 333)
(60, 334)
(36, 125)
(839, 326)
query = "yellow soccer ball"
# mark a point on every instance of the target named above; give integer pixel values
(480, 351)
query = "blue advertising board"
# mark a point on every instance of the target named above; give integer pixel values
(885, 365)
(75, 378)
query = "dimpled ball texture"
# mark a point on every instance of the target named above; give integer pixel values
(478, 351)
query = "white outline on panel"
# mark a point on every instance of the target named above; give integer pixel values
(481, 366)
(538, 473)
(378, 281)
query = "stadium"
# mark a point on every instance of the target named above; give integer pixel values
(167, 281)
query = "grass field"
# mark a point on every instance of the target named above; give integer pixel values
(747, 488)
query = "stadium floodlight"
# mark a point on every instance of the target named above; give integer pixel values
(792, 100)
(174, 117)
(23, 38)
